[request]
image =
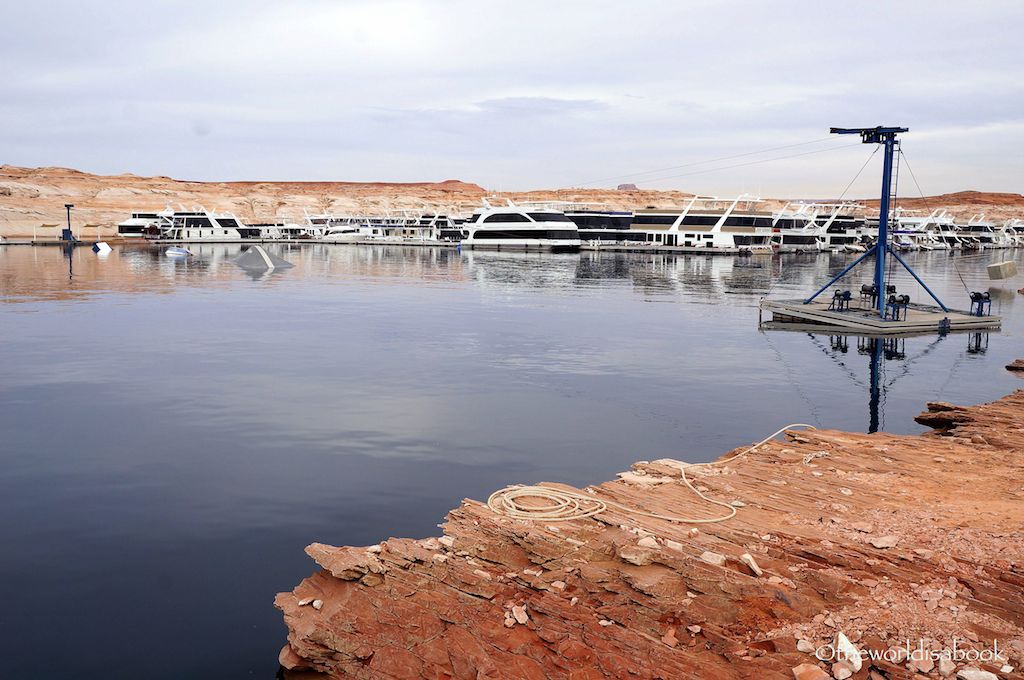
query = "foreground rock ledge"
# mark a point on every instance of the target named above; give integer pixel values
(881, 537)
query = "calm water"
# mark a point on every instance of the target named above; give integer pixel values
(172, 434)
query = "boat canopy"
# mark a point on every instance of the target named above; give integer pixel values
(257, 258)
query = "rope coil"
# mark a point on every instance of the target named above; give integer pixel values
(558, 505)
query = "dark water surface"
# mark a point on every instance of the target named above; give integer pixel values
(172, 433)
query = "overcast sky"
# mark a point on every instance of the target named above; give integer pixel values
(517, 95)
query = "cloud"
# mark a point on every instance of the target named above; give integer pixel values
(539, 106)
(512, 95)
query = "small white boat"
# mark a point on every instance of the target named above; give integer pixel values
(854, 248)
(175, 251)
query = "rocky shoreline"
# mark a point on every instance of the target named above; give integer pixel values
(901, 547)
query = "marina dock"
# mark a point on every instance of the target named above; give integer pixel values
(421, 243)
(51, 242)
(247, 241)
(655, 247)
(920, 318)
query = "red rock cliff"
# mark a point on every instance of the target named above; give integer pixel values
(881, 537)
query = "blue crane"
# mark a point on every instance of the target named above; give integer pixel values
(887, 137)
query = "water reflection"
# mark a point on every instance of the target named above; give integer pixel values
(178, 430)
(698, 277)
(977, 343)
(888, 361)
(27, 272)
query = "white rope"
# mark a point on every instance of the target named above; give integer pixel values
(563, 506)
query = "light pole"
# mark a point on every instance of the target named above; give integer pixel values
(69, 235)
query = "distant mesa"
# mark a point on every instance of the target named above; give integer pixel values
(33, 197)
(958, 198)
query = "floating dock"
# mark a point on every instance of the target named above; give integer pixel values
(420, 243)
(50, 242)
(797, 315)
(642, 247)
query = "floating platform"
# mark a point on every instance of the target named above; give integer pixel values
(795, 315)
(419, 243)
(642, 247)
(46, 242)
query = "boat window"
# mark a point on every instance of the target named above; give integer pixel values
(701, 220)
(506, 217)
(601, 221)
(654, 219)
(743, 221)
(531, 234)
(474, 218)
(548, 217)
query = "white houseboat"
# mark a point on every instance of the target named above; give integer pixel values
(596, 222)
(515, 227)
(986, 233)
(143, 224)
(707, 222)
(200, 224)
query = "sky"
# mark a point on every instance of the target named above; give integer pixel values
(710, 97)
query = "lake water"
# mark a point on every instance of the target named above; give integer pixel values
(173, 433)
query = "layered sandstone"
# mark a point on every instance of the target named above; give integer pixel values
(966, 204)
(32, 199)
(884, 538)
(35, 197)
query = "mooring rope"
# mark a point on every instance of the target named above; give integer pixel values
(870, 156)
(562, 506)
(634, 175)
(921, 192)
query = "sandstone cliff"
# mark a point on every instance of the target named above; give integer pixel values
(34, 198)
(884, 538)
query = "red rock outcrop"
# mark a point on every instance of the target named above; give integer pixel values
(885, 538)
(34, 198)
(964, 204)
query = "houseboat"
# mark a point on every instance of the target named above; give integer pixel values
(986, 233)
(596, 222)
(141, 224)
(795, 228)
(520, 228)
(199, 224)
(707, 222)
(1014, 230)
